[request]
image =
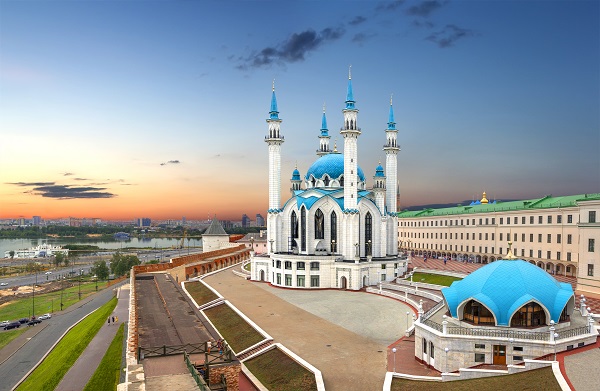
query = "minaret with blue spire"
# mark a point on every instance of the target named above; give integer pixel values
(391, 168)
(296, 181)
(350, 132)
(324, 137)
(379, 188)
(274, 141)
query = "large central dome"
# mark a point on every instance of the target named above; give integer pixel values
(331, 165)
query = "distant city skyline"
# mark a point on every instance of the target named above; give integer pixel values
(122, 110)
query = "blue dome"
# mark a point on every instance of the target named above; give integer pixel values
(379, 172)
(331, 164)
(505, 286)
(296, 175)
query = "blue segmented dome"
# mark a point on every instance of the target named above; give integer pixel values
(505, 286)
(379, 171)
(331, 164)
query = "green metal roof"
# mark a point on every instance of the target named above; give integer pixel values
(537, 203)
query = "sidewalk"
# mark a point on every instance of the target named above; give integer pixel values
(85, 366)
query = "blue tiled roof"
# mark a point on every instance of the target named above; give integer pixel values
(379, 171)
(506, 285)
(331, 164)
(296, 175)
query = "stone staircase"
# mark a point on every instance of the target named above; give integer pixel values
(255, 349)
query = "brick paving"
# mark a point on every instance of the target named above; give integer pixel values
(580, 367)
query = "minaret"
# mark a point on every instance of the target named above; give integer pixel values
(379, 188)
(350, 132)
(274, 141)
(296, 180)
(391, 163)
(324, 137)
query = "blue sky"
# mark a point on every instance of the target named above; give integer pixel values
(157, 108)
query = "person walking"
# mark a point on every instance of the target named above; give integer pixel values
(109, 320)
(113, 319)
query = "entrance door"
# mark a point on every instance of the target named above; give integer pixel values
(499, 354)
(343, 283)
(262, 275)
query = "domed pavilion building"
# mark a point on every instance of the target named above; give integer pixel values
(333, 232)
(507, 312)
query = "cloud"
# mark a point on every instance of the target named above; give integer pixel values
(65, 192)
(449, 35)
(294, 49)
(169, 162)
(358, 20)
(80, 179)
(389, 6)
(362, 37)
(425, 8)
(422, 23)
(68, 174)
(29, 184)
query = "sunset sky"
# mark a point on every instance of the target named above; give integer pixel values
(125, 109)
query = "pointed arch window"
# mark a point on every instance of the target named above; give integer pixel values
(326, 180)
(477, 313)
(319, 225)
(333, 229)
(303, 229)
(530, 315)
(342, 181)
(368, 233)
(294, 229)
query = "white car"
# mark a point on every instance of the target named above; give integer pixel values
(3, 283)
(44, 317)
(48, 272)
(4, 323)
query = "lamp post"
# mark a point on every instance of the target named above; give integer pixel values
(369, 246)
(394, 351)
(333, 246)
(407, 313)
(81, 270)
(510, 341)
(555, 336)
(33, 297)
(446, 350)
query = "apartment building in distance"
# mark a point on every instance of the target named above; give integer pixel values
(559, 234)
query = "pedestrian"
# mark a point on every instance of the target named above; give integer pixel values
(208, 346)
(109, 320)
(113, 319)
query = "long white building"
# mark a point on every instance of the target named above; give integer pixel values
(559, 234)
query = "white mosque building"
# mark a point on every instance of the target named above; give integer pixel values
(333, 232)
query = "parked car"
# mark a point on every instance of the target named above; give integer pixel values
(48, 272)
(3, 283)
(45, 316)
(33, 322)
(4, 323)
(12, 325)
(23, 320)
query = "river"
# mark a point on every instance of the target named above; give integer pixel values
(149, 243)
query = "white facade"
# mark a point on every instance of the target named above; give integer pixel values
(332, 232)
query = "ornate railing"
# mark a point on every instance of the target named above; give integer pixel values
(573, 332)
(516, 334)
(433, 309)
(433, 325)
(212, 355)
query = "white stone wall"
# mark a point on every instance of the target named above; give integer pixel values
(589, 231)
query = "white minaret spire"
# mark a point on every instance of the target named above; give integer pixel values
(274, 141)
(391, 163)
(350, 131)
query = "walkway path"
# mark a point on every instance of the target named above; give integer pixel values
(337, 332)
(85, 366)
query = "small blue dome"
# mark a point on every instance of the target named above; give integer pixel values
(296, 175)
(505, 286)
(331, 164)
(379, 171)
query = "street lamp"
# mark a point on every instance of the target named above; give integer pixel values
(510, 341)
(394, 351)
(446, 350)
(555, 336)
(33, 297)
(80, 272)
(333, 246)
(407, 313)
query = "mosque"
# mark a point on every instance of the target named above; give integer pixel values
(333, 232)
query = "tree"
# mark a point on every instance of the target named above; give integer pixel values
(12, 254)
(59, 258)
(121, 264)
(100, 270)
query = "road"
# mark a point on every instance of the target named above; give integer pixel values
(17, 366)
(30, 279)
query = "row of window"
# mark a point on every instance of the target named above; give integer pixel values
(487, 236)
(434, 246)
(299, 265)
(515, 220)
(300, 280)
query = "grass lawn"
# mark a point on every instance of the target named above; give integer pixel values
(50, 372)
(278, 372)
(247, 266)
(200, 292)
(436, 279)
(238, 334)
(107, 374)
(47, 302)
(8, 336)
(538, 379)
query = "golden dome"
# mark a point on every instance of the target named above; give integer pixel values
(484, 200)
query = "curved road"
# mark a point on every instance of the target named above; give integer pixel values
(17, 366)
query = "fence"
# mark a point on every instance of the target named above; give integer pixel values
(195, 374)
(573, 332)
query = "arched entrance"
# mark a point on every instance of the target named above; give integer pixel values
(262, 275)
(365, 281)
(343, 283)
